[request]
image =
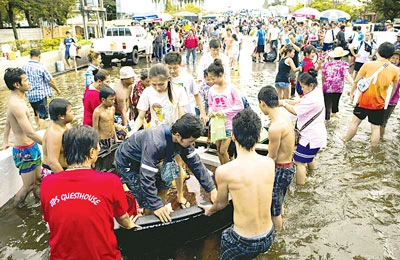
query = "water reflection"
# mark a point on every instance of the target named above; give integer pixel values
(349, 208)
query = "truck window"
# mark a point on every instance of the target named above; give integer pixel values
(128, 32)
(109, 32)
(121, 31)
(114, 31)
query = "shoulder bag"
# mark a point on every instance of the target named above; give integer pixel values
(297, 131)
(363, 83)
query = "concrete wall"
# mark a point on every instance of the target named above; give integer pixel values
(23, 34)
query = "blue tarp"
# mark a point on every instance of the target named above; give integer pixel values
(143, 17)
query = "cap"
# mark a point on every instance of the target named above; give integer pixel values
(388, 21)
(126, 73)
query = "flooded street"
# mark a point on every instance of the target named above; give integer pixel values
(348, 209)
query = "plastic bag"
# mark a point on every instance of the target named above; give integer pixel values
(218, 128)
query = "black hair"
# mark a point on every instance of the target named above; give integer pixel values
(216, 68)
(34, 53)
(287, 49)
(246, 128)
(307, 50)
(12, 76)
(354, 28)
(159, 70)
(309, 77)
(269, 95)
(144, 74)
(105, 92)
(188, 126)
(386, 50)
(234, 37)
(215, 43)
(58, 107)
(205, 73)
(100, 74)
(173, 57)
(77, 143)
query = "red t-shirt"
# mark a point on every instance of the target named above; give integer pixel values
(91, 100)
(79, 206)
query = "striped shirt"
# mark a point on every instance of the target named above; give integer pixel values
(39, 78)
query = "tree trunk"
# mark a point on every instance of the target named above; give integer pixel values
(11, 17)
(1, 21)
(29, 18)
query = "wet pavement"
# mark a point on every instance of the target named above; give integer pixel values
(348, 209)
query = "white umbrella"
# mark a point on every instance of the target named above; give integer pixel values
(334, 15)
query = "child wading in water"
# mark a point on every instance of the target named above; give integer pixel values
(103, 118)
(223, 100)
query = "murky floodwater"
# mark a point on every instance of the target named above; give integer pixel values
(349, 208)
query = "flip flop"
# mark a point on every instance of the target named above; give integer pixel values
(184, 205)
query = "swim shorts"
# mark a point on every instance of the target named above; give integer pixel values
(234, 246)
(46, 170)
(27, 158)
(106, 143)
(283, 177)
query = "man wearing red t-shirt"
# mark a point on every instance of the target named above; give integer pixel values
(80, 203)
(191, 43)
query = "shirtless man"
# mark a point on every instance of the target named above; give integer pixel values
(251, 192)
(26, 152)
(280, 149)
(123, 90)
(103, 118)
(61, 114)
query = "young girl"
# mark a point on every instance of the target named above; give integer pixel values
(286, 64)
(137, 91)
(307, 64)
(223, 100)
(95, 60)
(165, 101)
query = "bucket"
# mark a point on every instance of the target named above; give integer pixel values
(60, 66)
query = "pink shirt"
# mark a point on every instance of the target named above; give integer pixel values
(333, 72)
(228, 102)
(315, 133)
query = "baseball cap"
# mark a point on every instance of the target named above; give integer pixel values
(388, 21)
(126, 73)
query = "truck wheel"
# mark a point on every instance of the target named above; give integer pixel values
(135, 57)
(106, 61)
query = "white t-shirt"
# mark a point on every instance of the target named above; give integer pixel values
(207, 59)
(364, 55)
(186, 81)
(274, 31)
(161, 108)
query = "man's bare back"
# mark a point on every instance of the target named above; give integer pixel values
(281, 139)
(52, 143)
(249, 180)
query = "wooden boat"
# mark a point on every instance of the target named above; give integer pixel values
(187, 225)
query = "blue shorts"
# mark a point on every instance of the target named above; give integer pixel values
(40, 108)
(283, 178)
(27, 158)
(304, 154)
(131, 177)
(282, 84)
(234, 246)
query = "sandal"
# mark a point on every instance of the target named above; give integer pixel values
(184, 205)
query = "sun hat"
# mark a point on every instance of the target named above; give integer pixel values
(338, 52)
(126, 73)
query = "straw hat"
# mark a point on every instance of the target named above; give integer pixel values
(338, 52)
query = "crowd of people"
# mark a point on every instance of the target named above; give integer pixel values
(157, 116)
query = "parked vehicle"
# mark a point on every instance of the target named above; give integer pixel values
(121, 42)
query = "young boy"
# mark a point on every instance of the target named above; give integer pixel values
(173, 61)
(103, 118)
(61, 114)
(26, 152)
(251, 192)
(280, 149)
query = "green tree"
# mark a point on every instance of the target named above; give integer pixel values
(111, 7)
(389, 9)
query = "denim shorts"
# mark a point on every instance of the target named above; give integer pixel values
(234, 246)
(131, 177)
(282, 84)
(283, 178)
(40, 108)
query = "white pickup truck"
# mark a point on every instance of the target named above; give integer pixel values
(121, 42)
